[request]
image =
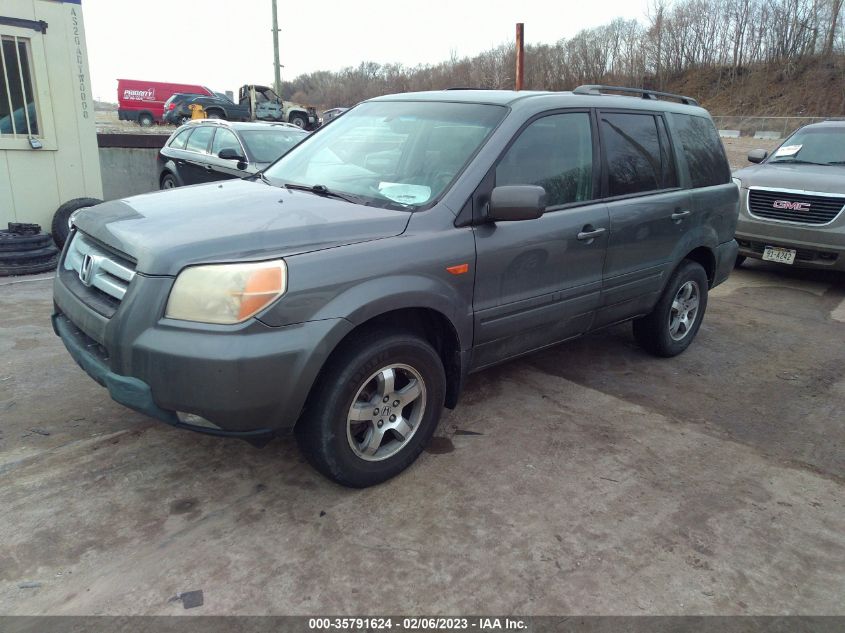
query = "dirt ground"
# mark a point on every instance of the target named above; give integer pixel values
(737, 149)
(586, 479)
(107, 122)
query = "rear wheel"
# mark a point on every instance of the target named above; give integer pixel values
(375, 408)
(145, 119)
(675, 320)
(168, 181)
(299, 120)
(214, 114)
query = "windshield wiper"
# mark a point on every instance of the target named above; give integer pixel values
(798, 161)
(322, 190)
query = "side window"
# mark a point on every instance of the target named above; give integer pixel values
(703, 150)
(224, 139)
(198, 141)
(179, 140)
(18, 112)
(638, 156)
(556, 153)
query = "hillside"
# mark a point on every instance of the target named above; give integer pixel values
(810, 87)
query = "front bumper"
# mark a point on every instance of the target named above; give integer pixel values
(247, 381)
(821, 247)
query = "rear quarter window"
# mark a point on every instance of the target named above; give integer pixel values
(180, 139)
(703, 150)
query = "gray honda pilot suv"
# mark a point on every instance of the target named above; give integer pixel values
(346, 292)
(791, 202)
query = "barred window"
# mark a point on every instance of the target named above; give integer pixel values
(18, 115)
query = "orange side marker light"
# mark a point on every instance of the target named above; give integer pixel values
(460, 269)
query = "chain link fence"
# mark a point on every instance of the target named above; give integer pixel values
(764, 127)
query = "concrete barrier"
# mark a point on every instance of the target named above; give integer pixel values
(729, 133)
(768, 135)
(128, 163)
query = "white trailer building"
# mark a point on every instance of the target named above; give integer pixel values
(48, 139)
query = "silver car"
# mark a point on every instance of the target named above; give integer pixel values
(791, 201)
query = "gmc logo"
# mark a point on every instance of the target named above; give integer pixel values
(792, 206)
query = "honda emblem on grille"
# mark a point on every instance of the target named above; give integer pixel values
(792, 206)
(86, 272)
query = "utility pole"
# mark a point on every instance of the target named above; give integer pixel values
(276, 66)
(520, 55)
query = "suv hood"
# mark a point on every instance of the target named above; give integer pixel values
(824, 179)
(235, 220)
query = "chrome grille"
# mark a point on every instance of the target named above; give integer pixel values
(98, 268)
(797, 207)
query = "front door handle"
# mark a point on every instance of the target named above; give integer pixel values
(209, 167)
(588, 233)
(680, 215)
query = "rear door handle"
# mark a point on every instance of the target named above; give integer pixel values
(209, 167)
(589, 233)
(680, 215)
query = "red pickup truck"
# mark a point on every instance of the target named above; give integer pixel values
(143, 101)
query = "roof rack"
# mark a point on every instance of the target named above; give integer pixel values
(589, 89)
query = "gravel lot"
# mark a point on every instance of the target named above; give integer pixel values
(589, 478)
(737, 149)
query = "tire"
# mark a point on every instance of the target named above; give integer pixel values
(29, 268)
(145, 119)
(343, 450)
(739, 260)
(659, 333)
(60, 227)
(15, 257)
(168, 181)
(299, 120)
(12, 242)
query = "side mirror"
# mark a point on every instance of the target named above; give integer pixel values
(511, 203)
(230, 153)
(757, 155)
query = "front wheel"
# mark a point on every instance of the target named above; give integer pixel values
(674, 322)
(375, 408)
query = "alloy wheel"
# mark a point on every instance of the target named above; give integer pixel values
(386, 412)
(684, 310)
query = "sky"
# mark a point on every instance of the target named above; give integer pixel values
(224, 44)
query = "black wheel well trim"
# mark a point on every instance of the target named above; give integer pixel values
(705, 256)
(166, 172)
(429, 323)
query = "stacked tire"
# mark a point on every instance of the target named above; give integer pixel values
(25, 250)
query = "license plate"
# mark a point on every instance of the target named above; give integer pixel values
(780, 255)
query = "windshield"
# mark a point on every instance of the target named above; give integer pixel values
(391, 153)
(820, 145)
(265, 146)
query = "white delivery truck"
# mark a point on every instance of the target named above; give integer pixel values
(49, 162)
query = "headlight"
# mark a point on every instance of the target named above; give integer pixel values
(226, 293)
(737, 182)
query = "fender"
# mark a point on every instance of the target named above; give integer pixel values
(702, 235)
(373, 297)
(171, 167)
